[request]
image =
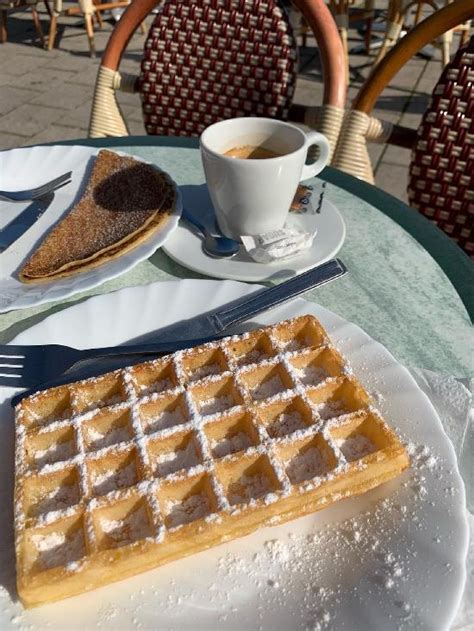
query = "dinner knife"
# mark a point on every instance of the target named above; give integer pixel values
(23, 222)
(202, 328)
(218, 321)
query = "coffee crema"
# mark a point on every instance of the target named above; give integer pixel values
(249, 152)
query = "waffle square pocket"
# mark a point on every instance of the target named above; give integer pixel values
(122, 473)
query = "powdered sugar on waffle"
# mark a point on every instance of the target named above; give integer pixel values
(58, 499)
(114, 479)
(191, 416)
(160, 385)
(165, 420)
(312, 375)
(132, 527)
(268, 388)
(320, 602)
(173, 461)
(188, 510)
(214, 405)
(248, 488)
(307, 465)
(57, 549)
(252, 357)
(205, 371)
(286, 423)
(230, 445)
(355, 447)
(269, 574)
(54, 453)
(329, 409)
(98, 440)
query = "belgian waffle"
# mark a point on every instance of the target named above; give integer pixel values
(130, 470)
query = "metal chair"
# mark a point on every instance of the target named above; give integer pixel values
(207, 60)
(442, 165)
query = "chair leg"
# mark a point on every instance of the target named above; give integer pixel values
(90, 33)
(98, 19)
(53, 27)
(395, 20)
(37, 23)
(3, 27)
(98, 14)
(48, 8)
(418, 12)
(143, 29)
(446, 48)
(369, 9)
(465, 33)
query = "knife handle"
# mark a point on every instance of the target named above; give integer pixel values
(269, 298)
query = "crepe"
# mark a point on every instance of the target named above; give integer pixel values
(125, 202)
(120, 473)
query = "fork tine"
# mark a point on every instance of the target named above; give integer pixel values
(13, 382)
(49, 191)
(38, 191)
(11, 370)
(12, 350)
(53, 185)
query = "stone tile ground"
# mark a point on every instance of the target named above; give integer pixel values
(45, 96)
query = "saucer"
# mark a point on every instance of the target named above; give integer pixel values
(184, 245)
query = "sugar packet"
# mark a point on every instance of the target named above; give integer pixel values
(296, 236)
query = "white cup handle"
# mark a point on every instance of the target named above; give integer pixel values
(315, 138)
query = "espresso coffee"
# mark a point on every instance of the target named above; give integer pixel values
(248, 152)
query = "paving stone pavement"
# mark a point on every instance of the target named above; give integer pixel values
(45, 96)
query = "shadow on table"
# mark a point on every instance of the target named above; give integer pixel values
(197, 200)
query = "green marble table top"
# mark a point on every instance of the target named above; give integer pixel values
(395, 290)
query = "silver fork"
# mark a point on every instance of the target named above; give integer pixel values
(38, 191)
(26, 366)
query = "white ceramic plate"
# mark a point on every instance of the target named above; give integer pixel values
(29, 167)
(390, 559)
(184, 247)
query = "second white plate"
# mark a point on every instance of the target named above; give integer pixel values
(29, 167)
(392, 558)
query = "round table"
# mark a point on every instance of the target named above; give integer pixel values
(417, 307)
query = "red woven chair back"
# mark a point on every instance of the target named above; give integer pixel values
(208, 60)
(441, 181)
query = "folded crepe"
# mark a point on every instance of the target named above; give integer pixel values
(124, 204)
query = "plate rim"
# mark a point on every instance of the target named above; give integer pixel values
(460, 510)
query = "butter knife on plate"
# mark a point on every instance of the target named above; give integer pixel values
(23, 222)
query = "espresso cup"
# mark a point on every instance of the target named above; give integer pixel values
(252, 196)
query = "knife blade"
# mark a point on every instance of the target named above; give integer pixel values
(218, 321)
(23, 222)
